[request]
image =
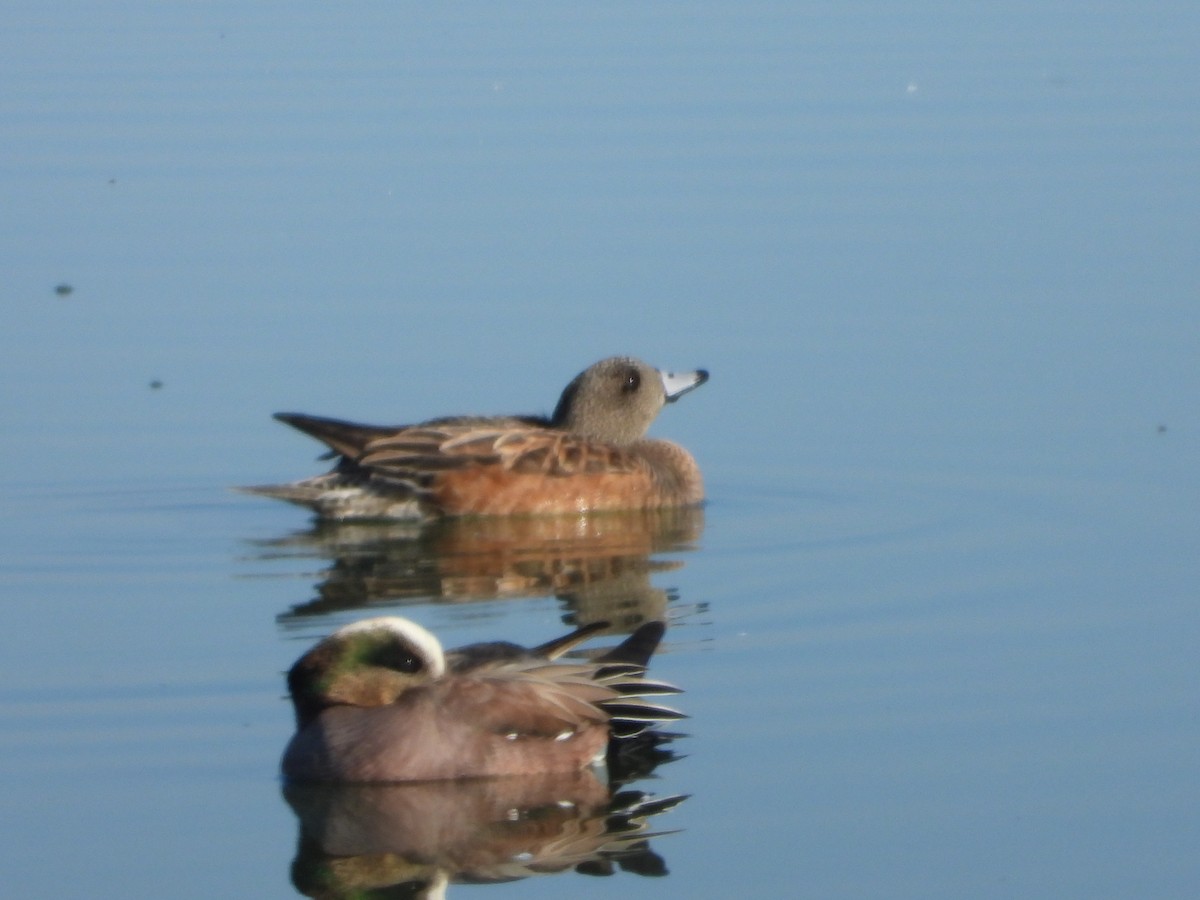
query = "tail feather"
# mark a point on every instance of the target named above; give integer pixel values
(346, 438)
(638, 711)
(560, 645)
(298, 492)
(638, 647)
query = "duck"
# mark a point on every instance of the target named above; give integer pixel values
(590, 455)
(379, 700)
(412, 840)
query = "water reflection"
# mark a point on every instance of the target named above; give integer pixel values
(415, 839)
(599, 564)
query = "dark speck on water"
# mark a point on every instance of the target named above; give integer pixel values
(63, 289)
(155, 384)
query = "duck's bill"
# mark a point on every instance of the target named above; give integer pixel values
(676, 384)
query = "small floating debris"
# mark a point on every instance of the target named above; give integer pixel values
(63, 289)
(156, 385)
(1162, 429)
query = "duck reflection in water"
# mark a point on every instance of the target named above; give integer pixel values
(599, 565)
(415, 839)
(370, 694)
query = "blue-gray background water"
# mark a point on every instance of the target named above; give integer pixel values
(938, 626)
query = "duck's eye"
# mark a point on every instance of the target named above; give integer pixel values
(633, 381)
(399, 659)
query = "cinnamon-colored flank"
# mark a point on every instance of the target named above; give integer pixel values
(590, 455)
(378, 700)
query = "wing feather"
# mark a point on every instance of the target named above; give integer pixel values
(518, 450)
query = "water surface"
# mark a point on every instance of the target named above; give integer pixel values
(937, 622)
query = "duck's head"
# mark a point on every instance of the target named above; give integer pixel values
(368, 663)
(616, 399)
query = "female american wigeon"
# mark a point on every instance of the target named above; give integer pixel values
(590, 455)
(378, 700)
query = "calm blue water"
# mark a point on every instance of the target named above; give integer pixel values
(937, 624)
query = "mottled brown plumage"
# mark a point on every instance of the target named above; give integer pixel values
(590, 455)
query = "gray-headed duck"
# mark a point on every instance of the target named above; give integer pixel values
(591, 454)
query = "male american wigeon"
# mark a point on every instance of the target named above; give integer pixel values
(591, 454)
(379, 700)
(410, 840)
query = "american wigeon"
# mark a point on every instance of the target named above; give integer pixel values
(589, 455)
(599, 566)
(378, 700)
(405, 840)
